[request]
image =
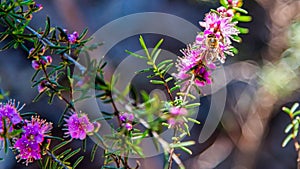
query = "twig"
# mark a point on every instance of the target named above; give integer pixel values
(46, 42)
(57, 160)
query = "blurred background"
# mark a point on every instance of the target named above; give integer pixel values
(262, 78)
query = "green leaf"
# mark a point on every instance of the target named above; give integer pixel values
(60, 121)
(61, 155)
(156, 47)
(164, 62)
(236, 38)
(234, 50)
(169, 79)
(8, 45)
(186, 150)
(3, 36)
(166, 70)
(244, 18)
(47, 28)
(243, 30)
(144, 70)
(192, 105)
(77, 162)
(297, 113)
(136, 55)
(60, 145)
(287, 110)
(182, 144)
(28, 114)
(193, 120)
(71, 154)
(103, 118)
(93, 153)
(58, 47)
(143, 45)
(156, 54)
(287, 140)
(224, 3)
(294, 107)
(138, 150)
(159, 82)
(175, 88)
(240, 10)
(83, 34)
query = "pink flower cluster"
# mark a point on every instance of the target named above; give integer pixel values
(79, 126)
(211, 45)
(42, 61)
(127, 119)
(30, 142)
(9, 113)
(176, 114)
(73, 37)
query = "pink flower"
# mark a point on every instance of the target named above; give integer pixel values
(126, 120)
(36, 129)
(46, 60)
(9, 112)
(225, 12)
(79, 126)
(126, 117)
(27, 151)
(33, 135)
(235, 3)
(43, 60)
(176, 114)
(73, 37)
(42, 86)
(35, 64)
(128, 126)
(178, 111)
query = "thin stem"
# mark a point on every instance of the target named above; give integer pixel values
(191, 81)
(172, 149)
(163, 143)
(57, 160)
(46, 42)
(165, 83)
(57, 92)
(296, 143)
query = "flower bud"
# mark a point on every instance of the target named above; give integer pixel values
(35, 65)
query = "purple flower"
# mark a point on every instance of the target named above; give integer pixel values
(28, 145)
(79, 126)
(42, 86)
(202, 76)
(178, 111)
(235, 3)
(36, 129)
(73, 37)
(46, 60)
(39, 6)
(176, 114)
(222, 29)
(9, 112)
(126, 117)
(28, 151)
(128, 126)
(225, 12)
(43, 60)
(35, 64)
